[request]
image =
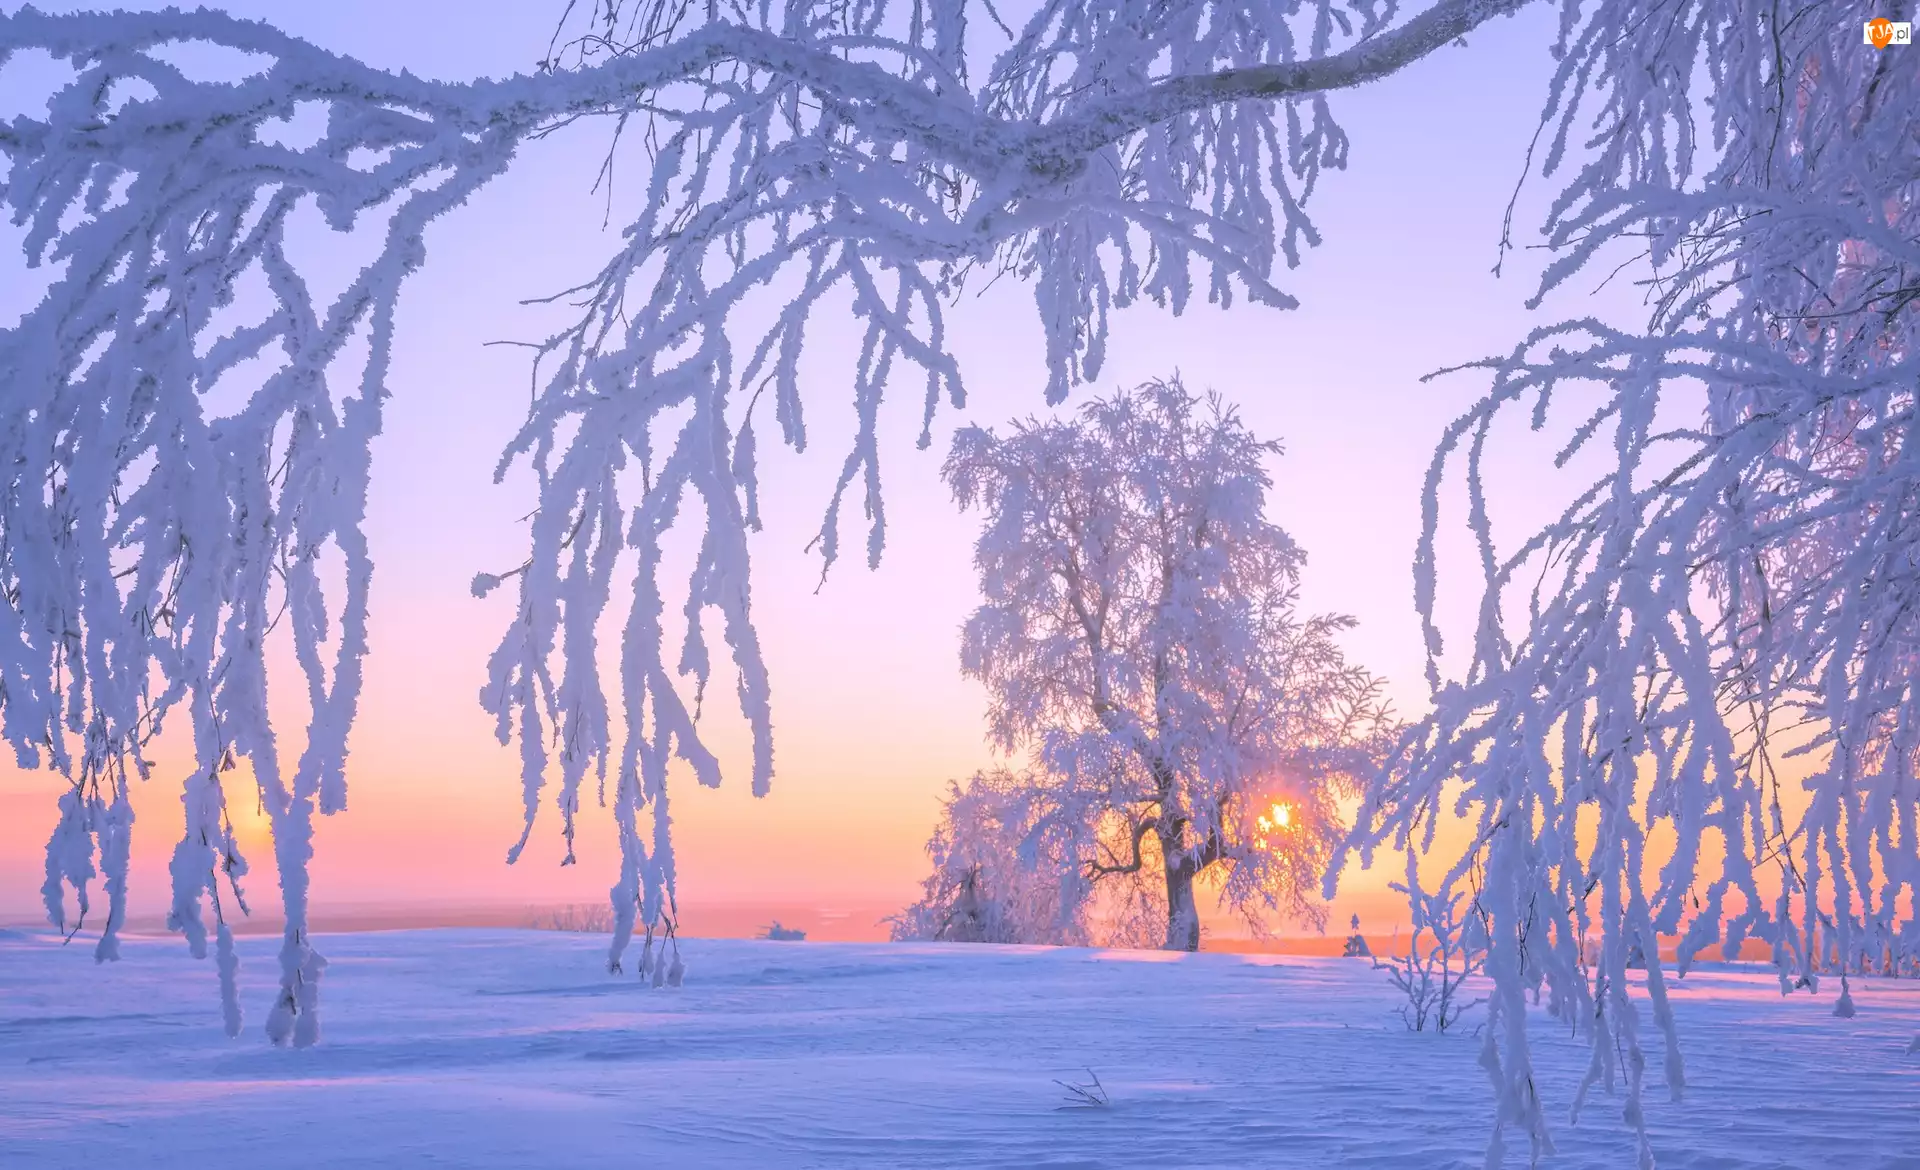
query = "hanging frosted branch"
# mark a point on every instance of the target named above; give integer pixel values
(153, 546)
(156, 541)
(847, 161)
(1729, 591)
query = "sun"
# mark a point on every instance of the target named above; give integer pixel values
(252, 830)
(1277, 819)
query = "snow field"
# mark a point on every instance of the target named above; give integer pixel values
(493, 1048)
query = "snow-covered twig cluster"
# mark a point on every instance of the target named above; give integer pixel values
(1432, 975)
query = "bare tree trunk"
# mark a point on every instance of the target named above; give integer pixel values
(1183, 916)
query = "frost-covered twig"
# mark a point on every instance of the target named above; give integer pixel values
(1091, 1095)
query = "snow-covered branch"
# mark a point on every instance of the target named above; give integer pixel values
(1735, 588)
(187, 422)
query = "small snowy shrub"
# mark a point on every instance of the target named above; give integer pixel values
(576, 919)
(1440, 959)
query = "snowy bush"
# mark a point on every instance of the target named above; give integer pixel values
(1003, 871)
(1441, 956)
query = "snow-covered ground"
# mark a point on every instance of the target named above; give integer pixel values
(502, 1048)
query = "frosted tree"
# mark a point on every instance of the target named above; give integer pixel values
(1139, 640)
(187, 416)
(1729, 606)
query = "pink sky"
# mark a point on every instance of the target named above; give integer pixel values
(871, 715)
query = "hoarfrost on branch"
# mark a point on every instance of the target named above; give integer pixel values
(1735, 588)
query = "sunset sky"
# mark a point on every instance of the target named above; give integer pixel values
(871, 715)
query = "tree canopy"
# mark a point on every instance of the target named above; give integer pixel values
(1139, 641)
